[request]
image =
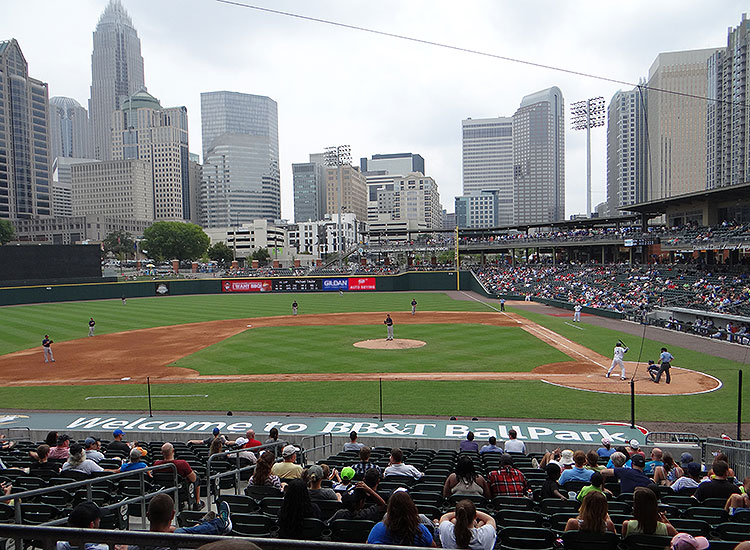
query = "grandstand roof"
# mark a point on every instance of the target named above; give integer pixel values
(658, 207)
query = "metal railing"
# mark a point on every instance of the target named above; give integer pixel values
(326, 442)
(78, 537)
(8, 429)
(738, 453)
(673, 437)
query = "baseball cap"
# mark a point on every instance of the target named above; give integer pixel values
(315, 472)
(289, 450)
(634, 444)
(63, 438)
(76, 448)
(347, 473)
(241, 440)
(89, 441)
(83, 514)
(685, 541)
(693, 468)
(118, 432)
(638, 460)
(566, 457)
(606, 441)
(216, 431)
(686, 458)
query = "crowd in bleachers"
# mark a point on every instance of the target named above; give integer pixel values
(474, 496)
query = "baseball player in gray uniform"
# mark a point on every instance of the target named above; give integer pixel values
(92, 324)
(389, 326)
(46, 347)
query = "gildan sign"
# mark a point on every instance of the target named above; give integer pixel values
(255, 285)
(335, 284)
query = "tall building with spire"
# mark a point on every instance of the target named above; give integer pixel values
(116, 73)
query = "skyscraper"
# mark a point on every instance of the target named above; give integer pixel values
(393, 163)
(240, 158)
(25, 182)
(416, 198)
(143, 129)
(626, 150)
(309, 190)
(353, 191)
(116, 73)
(677, 123)
(488, 162)
(728, 143)
(70, 133)
(539, 158)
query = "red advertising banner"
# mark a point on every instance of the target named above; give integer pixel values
(361, 283)
(246, 286)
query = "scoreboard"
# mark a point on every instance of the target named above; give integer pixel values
(297, 285)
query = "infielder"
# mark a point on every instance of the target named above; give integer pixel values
(577, 313)
(413, 306)
(46, 343)
(294, 307)
(92, 324)
(389, 326)
(665, 363)
(620, 351)
(502, 304)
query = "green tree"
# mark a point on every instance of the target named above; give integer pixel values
(262, 255)
(221, 253)
(6, 232)
(119, 243)
(175, 240)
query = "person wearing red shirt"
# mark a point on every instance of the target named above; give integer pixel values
(507, 480)
(251, 441)
(183, 469)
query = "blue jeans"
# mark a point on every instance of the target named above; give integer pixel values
(213, 527)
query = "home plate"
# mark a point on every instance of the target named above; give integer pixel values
(248, 326)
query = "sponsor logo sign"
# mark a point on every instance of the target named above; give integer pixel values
(335, 284)
(362, 283)
(255, 285)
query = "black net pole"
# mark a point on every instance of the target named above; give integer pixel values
(739, 405)
(632, 404)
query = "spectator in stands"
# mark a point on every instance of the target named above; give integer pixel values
(51, 439)
(469, 444)
(61, 448)
(656, 460)
(294, 509)
(719, 486)
(6, 444)
(314, 483)
(551, 457)
(364, 463)
(262, 475)
(183, 470)
(606, 450)
(216, 447)
(465, 480)
(118, 444)
(514, 445)
(402, 525)
(246, 455)
(86, 515)
(593, 516)
(632, 477)
(215, 433)
(352, 444)
(722, 456)
(160, 514)
(355, 504)
(685, 459)
(596, 484)
(507, 480)
(41, 463)
(592, 461)
(78, 462)
(251, 441)
(578, 472)
(686, 541)
(398, 468)
(346, 480)
(467, 528)
(92, 447)
(618, 459)
(135, 461)
(273, 437)
(690, 481)
(741, 502)
(634, 448)
(288, 469)
(667, 473)
(647, 519)
(566, 460)
(491, 447)
(551, 488)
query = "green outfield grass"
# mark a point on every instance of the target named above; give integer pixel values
(449, 348)
(464, 347)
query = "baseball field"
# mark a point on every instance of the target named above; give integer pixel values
(246, 352)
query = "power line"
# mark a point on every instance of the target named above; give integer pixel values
(474, 52)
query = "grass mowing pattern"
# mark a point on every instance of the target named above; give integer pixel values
(22, 327)
(450, 348)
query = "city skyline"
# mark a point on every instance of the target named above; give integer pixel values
(211, 46)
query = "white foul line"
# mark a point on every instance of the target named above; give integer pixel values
(490, 306)
(138, 396)
(574, 326)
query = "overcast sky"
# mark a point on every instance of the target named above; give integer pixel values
(378, 94)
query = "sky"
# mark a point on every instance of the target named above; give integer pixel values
(379, 94)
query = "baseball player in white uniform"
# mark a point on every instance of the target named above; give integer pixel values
(577, 313)
(620, 351)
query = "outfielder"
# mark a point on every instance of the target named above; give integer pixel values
(389, 326)
(46, 343)
(577, 313)
(620, 351)
(92, 324)
(294, 307)
(413, 306)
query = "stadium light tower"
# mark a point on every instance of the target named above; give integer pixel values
(588, 114)
(339, 156)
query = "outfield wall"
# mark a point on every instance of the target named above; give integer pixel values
(70, 292)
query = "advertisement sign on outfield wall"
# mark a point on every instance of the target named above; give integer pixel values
(362, 283)
(255, 285)
(336, 284)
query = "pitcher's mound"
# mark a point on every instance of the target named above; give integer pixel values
(382, 343)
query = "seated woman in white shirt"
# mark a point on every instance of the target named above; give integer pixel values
(467, 528)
